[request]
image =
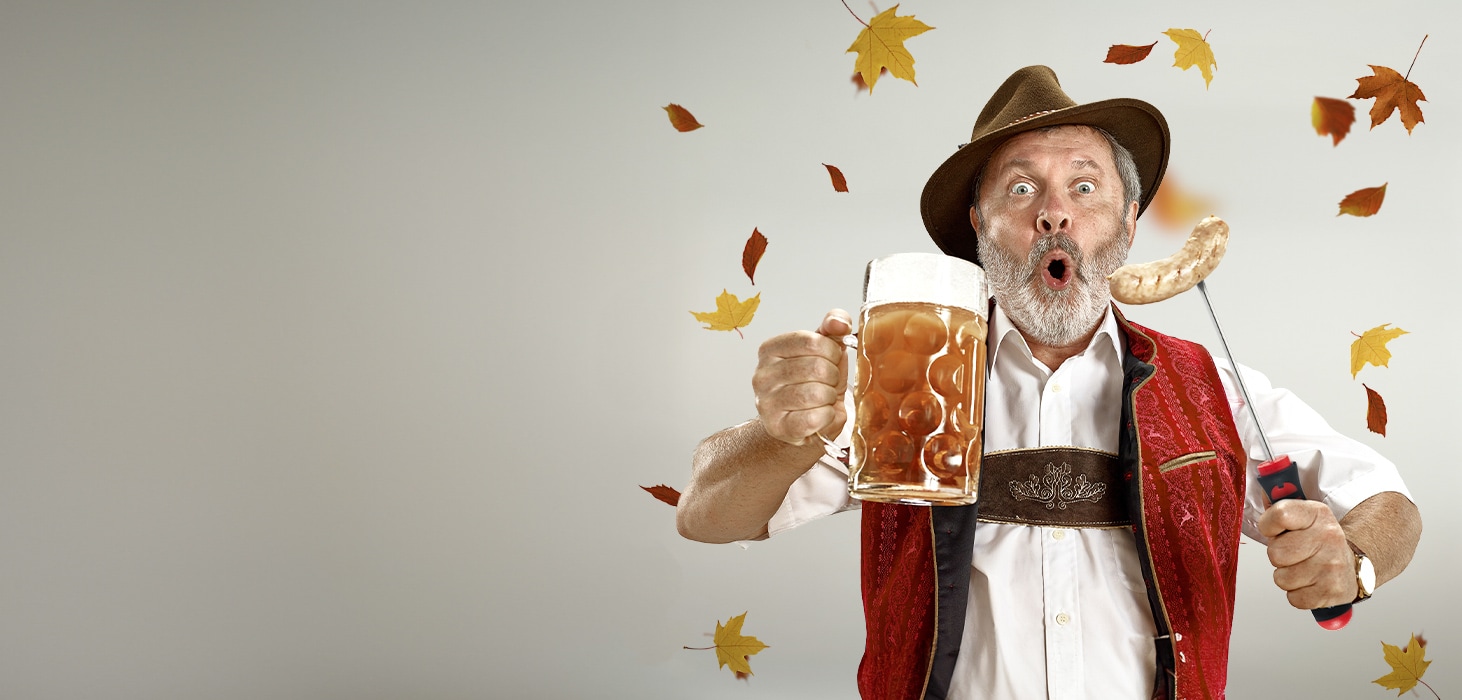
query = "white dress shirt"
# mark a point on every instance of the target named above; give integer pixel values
(1062, 613)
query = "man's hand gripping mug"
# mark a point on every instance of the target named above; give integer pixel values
(919, 396)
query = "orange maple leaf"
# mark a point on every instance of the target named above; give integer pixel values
(1393, 92)
(840, 183)
(681, 119)
(1375, 411)
(881, 44)
(1363, 202)
(1124, 54)
(1332, 117)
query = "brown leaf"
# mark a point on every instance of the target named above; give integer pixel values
(743, 676)
(1375, 412)
(1363, 202)
(840, 183)
(664, 493)
(1123, 54)
(681, 119)
(751, 254)
(860, 86)
(1420, 640)
(1392, 92)
(1332, 117)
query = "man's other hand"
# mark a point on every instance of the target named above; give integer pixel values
(1311, 558)
(800, 379)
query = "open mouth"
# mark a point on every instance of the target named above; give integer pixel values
(1056, 270)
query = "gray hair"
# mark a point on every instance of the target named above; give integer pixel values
(1126, 169)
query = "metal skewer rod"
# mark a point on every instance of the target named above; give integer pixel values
(1268, 453)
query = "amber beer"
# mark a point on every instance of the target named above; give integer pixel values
(919, 395)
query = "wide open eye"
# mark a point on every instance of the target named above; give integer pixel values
(1022, 188)
(1085, 187)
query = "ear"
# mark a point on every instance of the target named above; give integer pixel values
(1131, 224)
(974, 220)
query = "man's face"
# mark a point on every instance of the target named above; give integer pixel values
(1054, 228)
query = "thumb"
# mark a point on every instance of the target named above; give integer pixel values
(836, 324)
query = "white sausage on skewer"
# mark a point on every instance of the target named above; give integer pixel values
(1145, 283)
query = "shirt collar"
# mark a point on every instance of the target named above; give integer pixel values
(1003, 332)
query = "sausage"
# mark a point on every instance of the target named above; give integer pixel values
(1145, 283)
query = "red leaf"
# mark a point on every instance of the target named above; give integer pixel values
(1332, 117)
(1375, 413)
(1123, 54)
(681, 119)
(840, 183)
(859, 85)
(1363, 202)
(751, 254)
(664, 493)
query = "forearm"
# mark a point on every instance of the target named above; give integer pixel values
(739, 478)
(1386, 527)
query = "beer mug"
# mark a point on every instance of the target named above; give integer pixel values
(919, 394)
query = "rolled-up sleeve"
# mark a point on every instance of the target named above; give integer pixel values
(1335, 469)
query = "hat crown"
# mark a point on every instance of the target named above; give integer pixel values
(1029, 92)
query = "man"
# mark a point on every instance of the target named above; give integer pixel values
(987, 601)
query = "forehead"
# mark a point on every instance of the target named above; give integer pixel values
(1063, 143)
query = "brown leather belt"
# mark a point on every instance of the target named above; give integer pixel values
(1053, 486)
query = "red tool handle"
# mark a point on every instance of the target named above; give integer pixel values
(1281, 479)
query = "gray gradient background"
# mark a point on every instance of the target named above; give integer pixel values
(338, 336)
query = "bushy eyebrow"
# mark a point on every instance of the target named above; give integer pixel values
(1078, 164)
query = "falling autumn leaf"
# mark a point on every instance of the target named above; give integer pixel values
(731, 314)
(1332, 117)
(859, 85)
(1177, 208)
(1393, 92)
(1193, 50)
(881, 44)
(1371, 347)
(1407, 667)
(664, 493)
(681, 119)
(756, 245)
(1123, 54)
(734, 649)
(1363, 202)
(1375, 412)
(840, 183)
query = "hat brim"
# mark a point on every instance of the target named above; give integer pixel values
(945, 203)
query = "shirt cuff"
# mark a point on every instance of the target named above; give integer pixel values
(820, 491)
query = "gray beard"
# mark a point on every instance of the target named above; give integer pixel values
(1048, 316)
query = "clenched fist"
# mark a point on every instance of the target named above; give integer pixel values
(800, 380)
(1312, 558)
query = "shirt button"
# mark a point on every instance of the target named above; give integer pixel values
(1058, 534)
(1062, 618)
(1056, 387)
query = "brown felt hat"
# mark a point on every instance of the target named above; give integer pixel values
(1029, 99)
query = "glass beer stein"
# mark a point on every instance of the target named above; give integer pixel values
(919, 394)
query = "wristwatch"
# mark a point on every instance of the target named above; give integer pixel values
(1365, 574)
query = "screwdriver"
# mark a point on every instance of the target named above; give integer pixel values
(1279, 476)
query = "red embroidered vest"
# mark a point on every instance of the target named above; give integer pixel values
(1181, 457)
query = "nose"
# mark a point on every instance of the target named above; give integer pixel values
(1052, 219)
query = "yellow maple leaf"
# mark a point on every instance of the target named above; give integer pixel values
(1193, 50)
(731, 314)
(1371, 347)
(1407, 666)
(881, 45)
(734, 649)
